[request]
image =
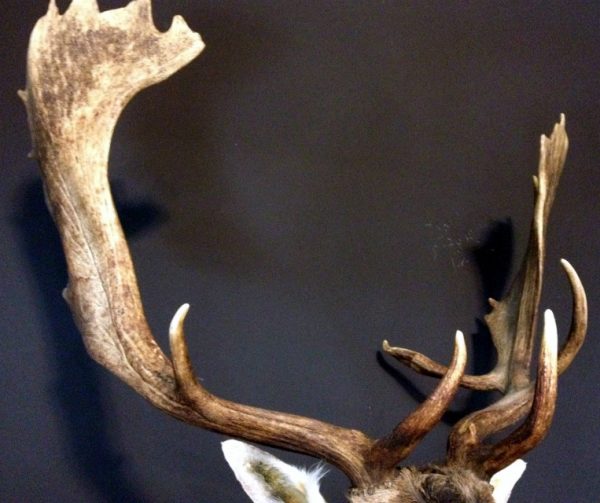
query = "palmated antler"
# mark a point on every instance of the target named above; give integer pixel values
(512, 323)
(83, 68)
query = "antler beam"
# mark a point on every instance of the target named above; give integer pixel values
(512, 323)
(83, 68)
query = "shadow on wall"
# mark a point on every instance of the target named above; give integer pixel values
(234, 52)
(494, 257)
(77, 392)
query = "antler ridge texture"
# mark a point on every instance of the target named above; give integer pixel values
(82, 69)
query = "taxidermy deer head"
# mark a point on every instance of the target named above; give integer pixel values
(83, 68)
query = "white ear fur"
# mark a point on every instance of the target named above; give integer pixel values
(504, 480)
(267, 479)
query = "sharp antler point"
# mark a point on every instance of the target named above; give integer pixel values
(461, 349)
(176, 325)
(550, 337)
(52, 8)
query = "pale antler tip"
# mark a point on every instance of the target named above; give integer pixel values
(176, 335)
(563, 119)
(566, 264)
(52, 8)
(550, 336)
(176, 325)
(461, 350)
(579, 319)
(459, 338)
(178, 23)
(560, 127)
(184, 373)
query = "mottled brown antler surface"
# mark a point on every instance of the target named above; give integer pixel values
(513, 324)
(83, 68)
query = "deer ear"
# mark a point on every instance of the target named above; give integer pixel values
(504, 480)
(267, 479)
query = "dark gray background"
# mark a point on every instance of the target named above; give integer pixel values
(324, 176)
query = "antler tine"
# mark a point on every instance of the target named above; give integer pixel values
(341, 447)
(424, 365)
(492, 381)
(513, 320)
(83, 67)
(579, 320)
(387, 452)
(466, 444)
(539, 420)
(512, 323)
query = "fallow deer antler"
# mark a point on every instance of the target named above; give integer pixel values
(512, 323)
(83, 68)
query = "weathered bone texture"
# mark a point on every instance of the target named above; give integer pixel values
(83, 68)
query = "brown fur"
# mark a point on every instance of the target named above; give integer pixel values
(429, 484)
